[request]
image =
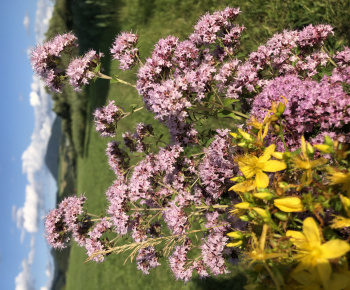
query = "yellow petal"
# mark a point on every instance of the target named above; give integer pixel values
(311, 232)
(304, 278)
(289, 204)
(340, 281)
(234, 135)
(303, 146)
(298, 239)
(262, 180)
(318, 162)
(244, 186)
(340, 222)
(267, 153)
(324, 269)
(247, 164)
(278, 155)
(334, 249)
(274, 166)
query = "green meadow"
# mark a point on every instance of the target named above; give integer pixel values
(83, 163)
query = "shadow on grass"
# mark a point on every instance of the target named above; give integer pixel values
(212, 283)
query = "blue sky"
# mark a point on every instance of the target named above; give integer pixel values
(28, 190)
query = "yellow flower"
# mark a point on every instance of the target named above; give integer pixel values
(341, 178)
(252, 165)
(340, 222)
(312, 254)
(303, 162)
(289, 204)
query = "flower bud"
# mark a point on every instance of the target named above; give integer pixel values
(242, 205)
(324, 148)
(261, 212)
(244, 218)
(276, 128)
(280, 109)
(237, 179)
(234, 244)
(283, 216)
(283, 184)
(235, 235)
(310, 149)
(287, 155)
(346, 202)
(289, 204)
(328, 141)
(245, 135)
(263, 195)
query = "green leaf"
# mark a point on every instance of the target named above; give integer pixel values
(228, 114)
(133, 107)
(112, 81)
(229, 102)
(97, 68)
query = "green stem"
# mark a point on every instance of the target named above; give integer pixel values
(127, 114)
(103, 76)
(325, 50)
(272, 276)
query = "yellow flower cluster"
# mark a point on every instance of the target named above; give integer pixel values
(295, 251)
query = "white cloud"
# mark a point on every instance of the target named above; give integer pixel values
(30, 209)
(42, 18)
(26, 22)
(34, 99)
(24, 280)
(27, 217)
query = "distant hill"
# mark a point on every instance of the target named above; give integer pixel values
(52, 151)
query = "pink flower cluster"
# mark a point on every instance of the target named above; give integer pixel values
(66, 218)
(46, 59)
(279, 53)
(134, 142)
(82, 69)
(118, 158)
(124, 49)
(106, 119)
(147, 259)
(342, 71)
(312, 106)
(217, 166)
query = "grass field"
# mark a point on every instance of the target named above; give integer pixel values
(154, 19)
